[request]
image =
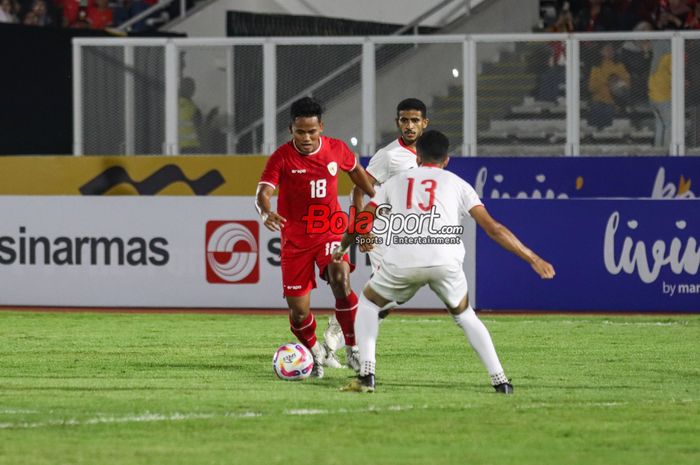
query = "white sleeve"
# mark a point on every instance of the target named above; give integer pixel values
(470, 198)
(379, 195)
(378, 166)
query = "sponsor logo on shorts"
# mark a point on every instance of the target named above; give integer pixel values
(232, 252)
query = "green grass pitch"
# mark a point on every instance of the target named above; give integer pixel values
(110, 388)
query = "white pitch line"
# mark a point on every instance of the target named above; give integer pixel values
(158, 417)
(103, 420)
(646, 323)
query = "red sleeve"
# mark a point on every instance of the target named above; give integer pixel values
(273, 169)
(347, 158)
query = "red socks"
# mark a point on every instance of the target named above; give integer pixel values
(305, 331)
(345, 310)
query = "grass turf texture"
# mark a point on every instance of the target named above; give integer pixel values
(106, 388)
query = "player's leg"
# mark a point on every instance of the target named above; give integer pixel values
(337, 274)
(333, 336)
(303, 326)
(451, 287)
(375, 260)
(382, 292)
(297, 282)
(346, 301)
(366, 333)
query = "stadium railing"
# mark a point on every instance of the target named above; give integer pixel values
(495, 95)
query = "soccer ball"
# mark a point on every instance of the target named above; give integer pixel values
(292, 361)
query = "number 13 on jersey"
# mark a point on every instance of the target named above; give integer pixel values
(430, 186)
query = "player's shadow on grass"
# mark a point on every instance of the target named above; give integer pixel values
(431, 385)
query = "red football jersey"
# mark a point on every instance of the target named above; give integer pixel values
(306, 180)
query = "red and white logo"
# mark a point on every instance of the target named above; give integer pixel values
(232, 252)
(332, 168)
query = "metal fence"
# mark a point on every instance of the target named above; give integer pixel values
(494, 95)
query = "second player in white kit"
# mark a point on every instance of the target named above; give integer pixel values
(426, 206)
(396, 157)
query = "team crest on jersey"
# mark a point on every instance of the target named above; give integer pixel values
(332, 168)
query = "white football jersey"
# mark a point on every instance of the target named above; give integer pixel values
(432, 204)
(388, 161)
(391, 159)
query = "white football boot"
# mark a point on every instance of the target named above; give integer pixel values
(319, 355)
(333, 340)
(334, 334)
(352, 354)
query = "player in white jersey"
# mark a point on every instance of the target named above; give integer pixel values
(430, 203)
(398, 156)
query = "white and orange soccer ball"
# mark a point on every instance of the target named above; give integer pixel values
(292, 361)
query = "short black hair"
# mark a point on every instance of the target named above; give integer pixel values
(306, 107)
(412, 104)
(432, 146)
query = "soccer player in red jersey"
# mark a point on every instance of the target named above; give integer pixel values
(305, 170)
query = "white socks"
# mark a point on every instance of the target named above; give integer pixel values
(480, 340)
(366, 331)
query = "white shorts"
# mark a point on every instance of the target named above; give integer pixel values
(375, 257)
(448, 282)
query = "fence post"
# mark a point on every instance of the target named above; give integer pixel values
(269, 97)
(369, 101)
(573, 97)
(231, 136)
(677, 96)
(77, 99)
(129, 102)
(469, 115)
(172, 77)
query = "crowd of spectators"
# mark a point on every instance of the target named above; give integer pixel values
(621, 15)
(619, 75)
(85, 14)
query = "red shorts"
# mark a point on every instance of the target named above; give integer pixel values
(298, 277)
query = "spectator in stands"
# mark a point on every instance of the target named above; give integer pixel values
(693, 18)
(38, 14)
(189, 118)
(660, 91)
(8, 11)
(692, 96)
(99, 14)
(554, 75)
(636, 56)
(609, 79)
(629, 13)
(598, 15)
(672, 14)
(75, 13)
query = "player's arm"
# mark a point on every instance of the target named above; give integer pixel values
(263, 204)
(358, 201)
(361, 179)
(358, 195)
(506, 239)
(349, 237)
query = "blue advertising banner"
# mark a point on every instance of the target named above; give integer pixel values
(580, 177)
(609, 255)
